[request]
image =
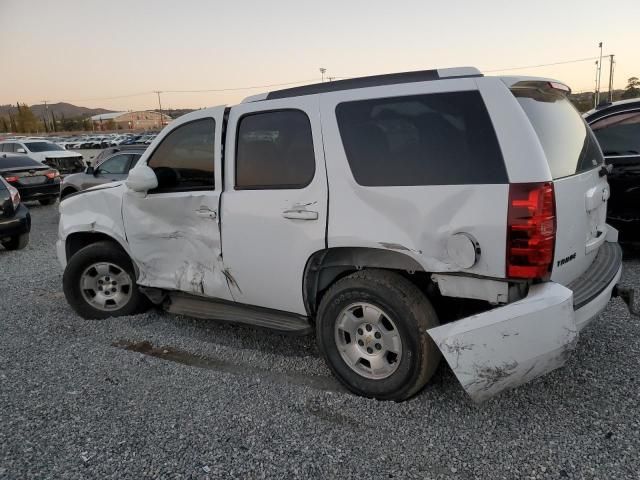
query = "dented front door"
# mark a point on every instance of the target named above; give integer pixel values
(173, 231)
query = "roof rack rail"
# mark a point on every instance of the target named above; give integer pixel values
(371, 81)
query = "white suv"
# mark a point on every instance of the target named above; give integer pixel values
(403, 217)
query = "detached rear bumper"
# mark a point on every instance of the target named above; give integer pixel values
(511, 345)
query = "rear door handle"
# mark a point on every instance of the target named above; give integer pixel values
(300, 214)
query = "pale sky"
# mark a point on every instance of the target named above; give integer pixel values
(86, 51)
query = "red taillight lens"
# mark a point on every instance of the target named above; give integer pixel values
(11, 179)
(531, 230)
(53, 174)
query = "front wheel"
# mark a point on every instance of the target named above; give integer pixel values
(372, 331)
(99, 282)
(16, 243)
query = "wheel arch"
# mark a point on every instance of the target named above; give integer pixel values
(325, 267)
(78, 240)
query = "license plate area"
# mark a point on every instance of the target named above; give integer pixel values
(35, 180)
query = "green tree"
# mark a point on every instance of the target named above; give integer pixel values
(5, 125)
(632, 89)
(26, 121)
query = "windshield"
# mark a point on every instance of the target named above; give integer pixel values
(43, 147)
(568, 143)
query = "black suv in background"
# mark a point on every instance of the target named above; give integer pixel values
(617, 128)
(15, 220)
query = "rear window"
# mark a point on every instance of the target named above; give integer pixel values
(434, 139)
(568, 143)
(42, 147)
(18, 161)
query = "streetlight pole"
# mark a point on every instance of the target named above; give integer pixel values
(322, 71)
(611, 62)
(599, 72)
(595, 91)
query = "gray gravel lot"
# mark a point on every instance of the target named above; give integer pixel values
(262, 405)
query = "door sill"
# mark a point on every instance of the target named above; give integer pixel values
(216, 309)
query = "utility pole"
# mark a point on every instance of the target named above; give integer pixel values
(160, 105)
(599, 72)
(611, 62)
(322, 72)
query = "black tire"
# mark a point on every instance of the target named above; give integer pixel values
(412, 315)
(66, 192)
(17, 243)
(47, 201)
(83, 259)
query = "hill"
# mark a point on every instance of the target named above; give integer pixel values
(60, 109)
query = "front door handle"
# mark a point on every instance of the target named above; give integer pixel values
(300, 214)
(206, 212)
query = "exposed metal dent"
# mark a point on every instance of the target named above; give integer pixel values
(511, 345)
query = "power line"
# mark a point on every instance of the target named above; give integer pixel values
(541, 65)
(232, 89)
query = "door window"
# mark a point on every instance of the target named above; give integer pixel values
(184, 160)
(619, 134)
(115, 165)
(8, 147)
(274, 151)
(135, 158)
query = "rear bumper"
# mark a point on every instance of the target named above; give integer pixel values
(17, 225)
(37, 192)
(511, 345)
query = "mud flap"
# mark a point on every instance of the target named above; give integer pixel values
(510, 345)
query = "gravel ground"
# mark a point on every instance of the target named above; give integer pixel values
(262, 405)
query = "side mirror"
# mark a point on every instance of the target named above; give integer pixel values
(90, 170)
(20, 150)
(142, 179)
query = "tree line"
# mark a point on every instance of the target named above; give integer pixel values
(23, 120)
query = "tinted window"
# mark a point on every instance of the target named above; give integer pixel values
(8, 147)
(435, 139)
(43, 147)
(274, 150)
(115, 165)
(19, 161)
(619, 134)
(184, 159)
(568, 144)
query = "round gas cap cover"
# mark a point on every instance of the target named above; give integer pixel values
(463, 249)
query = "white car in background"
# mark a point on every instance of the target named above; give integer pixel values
(48, 153)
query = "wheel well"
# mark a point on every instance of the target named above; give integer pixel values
(77, 241)
(326, 267)
(67, 191)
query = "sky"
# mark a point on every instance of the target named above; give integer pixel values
(114, 54)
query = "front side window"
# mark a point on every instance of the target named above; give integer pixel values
(115, 165)
(274, 151)
(619, 134)
(136, 158)
(432, 139)
(184, 160)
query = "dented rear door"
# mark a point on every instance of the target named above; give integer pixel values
(173, 230)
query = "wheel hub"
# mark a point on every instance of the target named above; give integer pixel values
(106, 286)
(368, 340)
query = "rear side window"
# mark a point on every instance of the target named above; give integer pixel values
(274, 151)
(434, 139)
(619, 134)
(184, 160)
(568, 143)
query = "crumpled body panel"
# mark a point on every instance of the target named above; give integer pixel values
(511, 345)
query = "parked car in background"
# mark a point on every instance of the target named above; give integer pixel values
(15, 219)
(107, 152)
(33, 179)
(111, 169)
(48, 153)
(617, 127)
(406, 217)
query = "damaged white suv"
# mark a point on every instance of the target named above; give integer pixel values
(404, 217)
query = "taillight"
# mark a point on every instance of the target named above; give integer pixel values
(15, 197)
(11, 179)
(531, 230)
(53, 174)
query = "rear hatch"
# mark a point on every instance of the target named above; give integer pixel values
(579, 182)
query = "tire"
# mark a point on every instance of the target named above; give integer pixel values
(47, 201)
(106, 262)
(17, 243)
(66, 192)
(405, 309)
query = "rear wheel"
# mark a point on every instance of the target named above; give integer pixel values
(16, 243)
(99, 282)
(47, 201)
(372, 330)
